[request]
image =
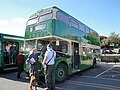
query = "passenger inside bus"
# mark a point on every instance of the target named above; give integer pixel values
(6, 56)
(10, 52)
(6, 53)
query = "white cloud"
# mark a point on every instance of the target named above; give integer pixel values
(19, 20)
(14, 26)
(19, 31)
(3, 22)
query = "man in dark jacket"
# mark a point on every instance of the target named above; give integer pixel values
(20, 62)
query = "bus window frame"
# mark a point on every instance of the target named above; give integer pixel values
(47, 13)
(41, 44)
(74, 22)
(36, 17)
(58, 16)
(81, 27)
(30, 29)
(30, 48)
(40, 27)
(63, 44)
(87, 29)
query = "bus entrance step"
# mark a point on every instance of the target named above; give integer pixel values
(11, 68)
(10, 65)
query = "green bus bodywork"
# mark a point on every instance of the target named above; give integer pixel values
(5, 43)
(67, 29)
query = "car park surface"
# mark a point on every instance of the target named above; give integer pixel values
(106, 76)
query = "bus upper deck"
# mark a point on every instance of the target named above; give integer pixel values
(54, 21)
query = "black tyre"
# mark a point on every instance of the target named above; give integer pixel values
(1, 69)
(61, 73)
(94, 62)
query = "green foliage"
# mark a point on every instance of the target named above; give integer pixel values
(112, 41)
(97, 55)
(86, 57)
(89, 56)
(83, 57)
(93, 39)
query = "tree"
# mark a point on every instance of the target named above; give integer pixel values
(112, 41)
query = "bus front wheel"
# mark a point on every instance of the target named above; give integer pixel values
(61, 73)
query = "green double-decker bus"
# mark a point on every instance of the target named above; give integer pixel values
(10, 46)
(77, 45)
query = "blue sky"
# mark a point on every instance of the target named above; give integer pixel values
(101, 15)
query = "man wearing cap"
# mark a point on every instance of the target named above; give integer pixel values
(49, 57)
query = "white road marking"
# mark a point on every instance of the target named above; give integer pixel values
(59, 88)
(102, 86)
(104, 72)
(94, 85)
(102, 78)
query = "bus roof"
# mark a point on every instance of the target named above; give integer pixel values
(54, 7)
(8, 36)
(11, 35)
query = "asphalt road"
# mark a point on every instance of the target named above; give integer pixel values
(103, 77)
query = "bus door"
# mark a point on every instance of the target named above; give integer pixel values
(76, 56)
(11, 50)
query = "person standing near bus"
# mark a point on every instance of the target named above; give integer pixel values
(49, 61)
(33, 60)
(20, 62)
(12, 52)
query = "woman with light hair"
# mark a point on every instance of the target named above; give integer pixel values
(33, 60)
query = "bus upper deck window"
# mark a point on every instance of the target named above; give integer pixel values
(45, 17)
(74, 23)
(30, 29)
(81, 27)
(62, 17)
(32, 21)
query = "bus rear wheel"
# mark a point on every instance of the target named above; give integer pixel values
(61, 73)
(1, 69)
(94, 62)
